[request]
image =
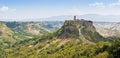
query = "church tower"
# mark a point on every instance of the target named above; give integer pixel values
(75, 18)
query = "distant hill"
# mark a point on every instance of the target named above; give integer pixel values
(108, 29)
(35, 28)
(8, 37)
(6, 34)
(93, 17)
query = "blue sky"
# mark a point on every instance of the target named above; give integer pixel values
(24, 9)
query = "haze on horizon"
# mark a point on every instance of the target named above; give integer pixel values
(30, 9)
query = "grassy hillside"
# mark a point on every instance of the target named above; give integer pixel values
(72, 40)
(36, 28)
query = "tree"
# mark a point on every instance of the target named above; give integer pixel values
(115, 49)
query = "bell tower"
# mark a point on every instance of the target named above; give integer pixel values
(75, 18)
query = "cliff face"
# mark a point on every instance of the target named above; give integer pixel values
(68, 30)
(88, 25)
(71, 28)
(79, 29)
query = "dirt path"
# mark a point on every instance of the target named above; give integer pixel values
(83, 38)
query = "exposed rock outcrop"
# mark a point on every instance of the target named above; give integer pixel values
(82, 29)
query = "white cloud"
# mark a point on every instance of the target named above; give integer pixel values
(117, 4)
(7, 12)
(118, 0)
(103, 5)
(97, 4)
(6, 9)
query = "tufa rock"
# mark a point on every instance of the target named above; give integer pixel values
(70, 28)
(79, 29)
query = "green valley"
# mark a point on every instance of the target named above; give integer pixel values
(75, 39)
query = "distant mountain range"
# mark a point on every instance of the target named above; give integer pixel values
(93, 17)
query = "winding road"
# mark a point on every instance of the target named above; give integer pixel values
(83, 38)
